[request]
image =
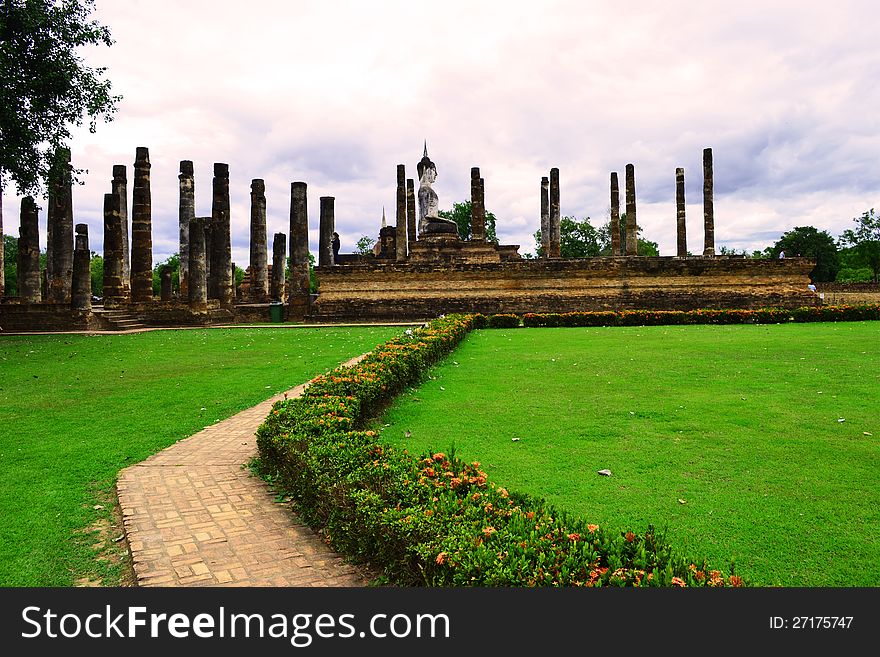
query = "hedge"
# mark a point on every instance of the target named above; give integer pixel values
(436, 520)
(841, 313)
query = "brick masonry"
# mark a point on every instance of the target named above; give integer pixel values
(420, 291)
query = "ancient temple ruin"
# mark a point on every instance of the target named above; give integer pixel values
(421, 266)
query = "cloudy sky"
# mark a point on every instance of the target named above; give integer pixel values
(338, 93)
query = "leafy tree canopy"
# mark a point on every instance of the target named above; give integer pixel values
(809, 242)
(865, 239)
(461, 215)
(45, 86)
(364, 245)
(579, 239)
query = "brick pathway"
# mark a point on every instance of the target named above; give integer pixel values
(194, 516)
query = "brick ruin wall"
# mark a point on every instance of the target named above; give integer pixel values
(412, 291)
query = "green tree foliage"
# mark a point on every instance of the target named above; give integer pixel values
(579, 239)
(172, 261)
(10, 264)
(364, 245)
(96, 268)
(865, 240)
(852, 268)
(45, 86)
(809, 242)
(461, 215)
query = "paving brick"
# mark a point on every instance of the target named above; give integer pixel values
(195, 517)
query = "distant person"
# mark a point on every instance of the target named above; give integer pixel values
(335, 244)
(781, 255)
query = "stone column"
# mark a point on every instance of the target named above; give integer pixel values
(114, 258)
(186, 211)
(410, 210)
(708, 204)
(326, 228)
(141, 230)
(119, 186)
(60, 218)
(279, 253)
(680, 223)
(545, 217)
(259, 243)
(401, 213)
(165, 281)
(632, 226)
(197, 292)
(615, 215)
(28, 262)
(478, 209)
(81, 290)
(298, 288)
(555, 220)
(221, 244)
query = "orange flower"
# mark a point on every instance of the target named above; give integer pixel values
(678, 581)
(592, 528)
(488, 531)
(442, 558)
(574, 537)
(735, 580)
(630, 537)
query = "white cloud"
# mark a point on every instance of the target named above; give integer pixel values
(338, 93)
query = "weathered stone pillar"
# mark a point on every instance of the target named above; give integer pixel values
(708, 204)
(279, 253)
(680, 223)
(60, 218)
(259, 243)
(186, 211)
(28, 261)
(545, 217)
(165, 281)
(410, 210)
(401, 212)
(114, 258)
(141, 230)
(119, 186)
(478, 208)
(615, 215)
(555, 219)
(325, 236)
(197, 292)
(81, 290)
(221, 244)
(632, 226)
(298, 287)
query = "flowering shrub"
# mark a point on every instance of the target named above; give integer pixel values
(437, 520)
(503, 321)
(705, 316)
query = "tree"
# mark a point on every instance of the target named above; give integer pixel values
(809, 242)
(865, 239)
(45, 86)
(364, 245)
(96, 269)
(461, 215)
(172, 261)
(578, 239)
(643, 247)
(10, 264)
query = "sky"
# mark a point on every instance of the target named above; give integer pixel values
(338, 93)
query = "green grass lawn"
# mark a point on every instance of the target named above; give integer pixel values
(74, 410)
(759, 444)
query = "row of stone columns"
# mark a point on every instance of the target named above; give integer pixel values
(630, 246)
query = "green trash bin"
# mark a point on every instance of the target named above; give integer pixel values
(276, 311)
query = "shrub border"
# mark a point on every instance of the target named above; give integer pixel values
(436, 520)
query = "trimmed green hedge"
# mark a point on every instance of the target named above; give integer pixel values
(435, 520)
(666, 317)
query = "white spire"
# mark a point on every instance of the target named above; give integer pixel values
(384, 225)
